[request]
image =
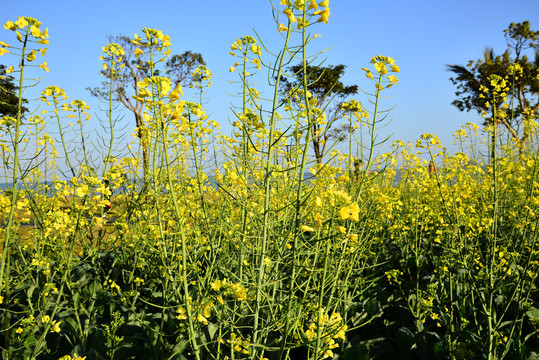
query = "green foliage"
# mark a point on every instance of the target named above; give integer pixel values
(324, 82)
(9, 101)
(522, 98)
(325, 85)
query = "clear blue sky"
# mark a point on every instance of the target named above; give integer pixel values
(422, 36)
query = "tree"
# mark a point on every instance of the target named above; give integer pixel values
(9, 102)
(135, 68)
(520, 74)
(325, 86)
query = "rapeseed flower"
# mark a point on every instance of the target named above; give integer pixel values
(350, 212)
(305, 228)
(290, 15)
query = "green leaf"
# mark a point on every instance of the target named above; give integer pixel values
(533, 313)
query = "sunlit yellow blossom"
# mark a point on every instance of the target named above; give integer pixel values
(44, 66)
(290, 15)
(380, 67)
(306, 228)
(56, 326)
(181, 314)
(9, 70)
(21, 23)
(324, 15)
(201, 318)
(368, 73)
(352, 237)
(350, 212)
(31, 56)
(138, 52)
(328, 354)
(82, 191)
(10, 25)
(216, 285)
(35, 31)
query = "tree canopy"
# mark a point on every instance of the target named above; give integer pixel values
(9, 101)
(134, 68)
(520, 73)
(325, 86)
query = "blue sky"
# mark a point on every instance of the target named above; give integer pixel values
(422, 37)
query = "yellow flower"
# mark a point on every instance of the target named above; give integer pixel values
(21, 23)
(324, 3)
(232, 69)
(328, 354)
(82, 191)
(45, 319)
(44, 66)
(324, 15)
(352, 237)
(56, 326)
(216, 285)
(350, 212)
(3, 51)
(35, 31)
(290, 15)
(201, 318)
(392, 79)
(182, 314)
(368, 73)
(306, 228)
(31, 56)
(312, 5)
(138, 52)
(19, 330)
(380, 67)
(9, 70)
(10, 25)
(299, 4)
